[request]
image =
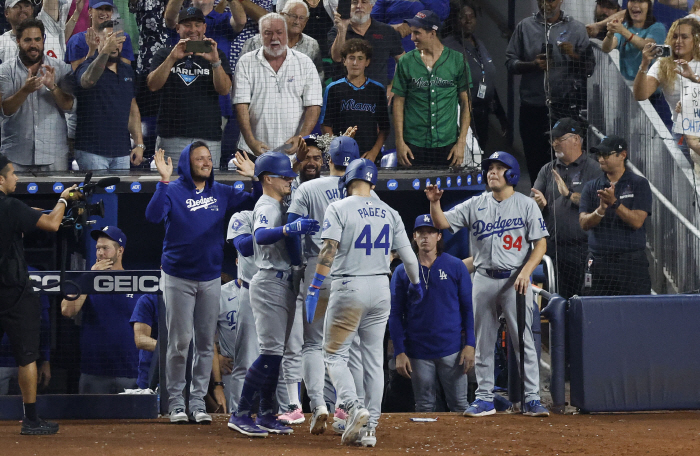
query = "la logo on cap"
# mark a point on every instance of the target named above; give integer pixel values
(426, 218)
(105, 228)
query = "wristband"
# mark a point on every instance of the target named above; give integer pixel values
(318, 280)
(52, 90)
(615, 205)
(142, 146)
(221, 384)
(63, 200)
(598, 213)
(164, 182)
(568, 196)
(216, 64)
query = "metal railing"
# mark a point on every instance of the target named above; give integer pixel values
(671, 234)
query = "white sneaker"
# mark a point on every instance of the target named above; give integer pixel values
(201, 417)
(358, 417)
(178, 416)
(319, 417)
(368, 436)
(338, 425)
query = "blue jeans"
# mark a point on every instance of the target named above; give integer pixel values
(90, 161)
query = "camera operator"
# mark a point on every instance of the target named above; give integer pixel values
(20, 309)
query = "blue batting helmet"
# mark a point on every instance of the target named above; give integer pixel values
(361, 169)
(343, 150)
(512, 175)
(275, 163)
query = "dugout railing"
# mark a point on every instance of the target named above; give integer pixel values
(672, 239)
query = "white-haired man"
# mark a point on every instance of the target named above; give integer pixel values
(278, 92)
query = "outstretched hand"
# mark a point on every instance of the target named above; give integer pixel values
(165, 169)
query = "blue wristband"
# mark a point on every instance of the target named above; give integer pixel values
(318, 280)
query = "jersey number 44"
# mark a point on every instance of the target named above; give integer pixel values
(364, 241)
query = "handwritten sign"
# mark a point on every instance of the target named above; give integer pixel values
(688, 120)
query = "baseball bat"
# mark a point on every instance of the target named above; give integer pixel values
(520, 309)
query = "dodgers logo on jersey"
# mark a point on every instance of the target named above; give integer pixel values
(326, 224)
(482, 230)
(202, 203)
(443, 274)
(263, 219)
(231, 318)
(236, 225)
(543, 226)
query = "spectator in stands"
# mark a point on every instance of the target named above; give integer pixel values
(254, 9)
(318, 24)
(684, 40)
(275, 102)
(190, 85)
(385, 41)
(604, 9)
(36, 91)
(108, 357)
(296, 13)
(144, 320)
(557, 191)
(613, 209)
(107, 112)
(427, 336)
(484, 98)
(693, 12)
(84, 44)
(357, 101)
(430, 82)
(564, 55)
(52, 15)
(395, 13)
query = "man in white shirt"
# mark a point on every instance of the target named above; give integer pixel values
(53, 14)
(277, 91)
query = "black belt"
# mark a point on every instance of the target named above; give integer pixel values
(245, 284)
(499, 273)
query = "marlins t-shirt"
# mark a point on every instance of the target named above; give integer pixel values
(189, 104)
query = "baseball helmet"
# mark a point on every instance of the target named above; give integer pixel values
(275, 163)
(512, 175)
(343, 150)
(360, 168)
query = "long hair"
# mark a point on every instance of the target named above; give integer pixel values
(667, 66)
(650, 16)
(440, 245)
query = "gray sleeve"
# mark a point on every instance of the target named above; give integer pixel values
(300, 202)
(400, 237)
(332, 229)
(265, 216)
(514, 49)
(410, 263)
(239, 224)
(536, 228)
(458, 216)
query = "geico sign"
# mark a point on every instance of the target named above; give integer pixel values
(45, 280)
(126, 284)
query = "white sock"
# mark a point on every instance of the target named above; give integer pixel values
(293, 393)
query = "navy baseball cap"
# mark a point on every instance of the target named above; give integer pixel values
(97, 3)
(565, 126)
(189, 14)
(111, 232)
(610, 145)
(425, 19)
(423, 220)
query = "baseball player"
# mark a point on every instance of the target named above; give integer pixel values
(312, 199)
(272, 296)
(226, 330)
(359, 233)
(508, 242)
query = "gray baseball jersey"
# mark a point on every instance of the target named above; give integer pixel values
(367, 230)
(501, 232)
(228, 310)
(242, 223)
(270, 213)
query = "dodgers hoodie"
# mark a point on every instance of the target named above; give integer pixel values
(193, 247)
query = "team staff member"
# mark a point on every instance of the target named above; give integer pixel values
(359, 233)
(20, 308)
(193, 208)
(144, 320)
(427, 336)
(430, 83)
(108, 357)
(557, 192)
(508, 240)
(272, 296)
(613, 210)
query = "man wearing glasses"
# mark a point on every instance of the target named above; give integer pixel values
(557, 191)
(613, 209)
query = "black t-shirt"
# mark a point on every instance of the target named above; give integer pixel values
(345, 105)
(318, 25)
(189, 104)
(16, 218)
(386, 44)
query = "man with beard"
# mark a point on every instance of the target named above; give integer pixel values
(603, 10)
(107, 109)
(192, 82)
(385, 41)
(53, 16)
(30, 87)
(108, 357)
(278, 92)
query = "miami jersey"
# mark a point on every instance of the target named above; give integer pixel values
(367, 229)
(500, 232)
(270, 213)
(242, 223)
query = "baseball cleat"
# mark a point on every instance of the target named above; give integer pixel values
(338, 425)
(200, 417)
(293, 416)
(271, 424)
(38, 427)
(480, 408)
(358, 417)
(535, 408)
(245, 425)
(178, 416)
(502, 405)
(368, 436)
(318, 420)
(340, 413)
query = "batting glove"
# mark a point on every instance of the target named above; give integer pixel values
(415, 293)
(303, 225)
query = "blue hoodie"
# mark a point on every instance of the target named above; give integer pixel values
(193, 247)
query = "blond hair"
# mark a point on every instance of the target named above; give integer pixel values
(667, 66)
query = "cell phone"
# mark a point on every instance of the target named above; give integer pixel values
(344, 8)
(118, 27)
(662, 50)
(198, 47)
